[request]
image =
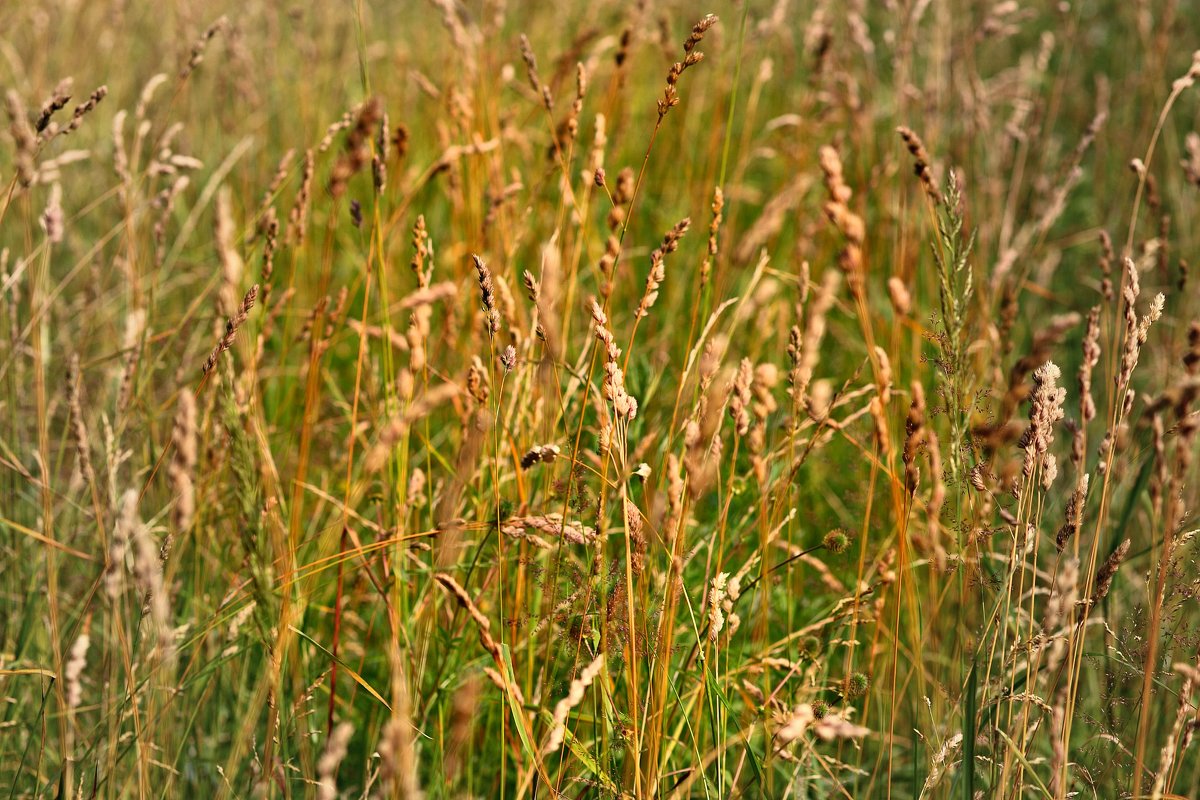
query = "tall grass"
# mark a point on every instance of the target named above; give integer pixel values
(599, 399)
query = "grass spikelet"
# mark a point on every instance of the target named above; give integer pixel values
(73, 673)
(196, 56)
(691, 57)
(148, 578)
(739, 399)
(24, 139)
(232, 265)
(716, 601)
(123, 532)
(658, 272)
(1103, 580)
(81, 111)
(182, 468)
(805, 348)
(357, 153)
(1046, 410)
(921, 164)
(531, 73)
(54, 103)
(331, 758)
(714, 229)
(79, 429)
(298, 216)
(487, 294)
(624, 406)
(849, 223)
(482, 623)
(553, 524)
(231, 329)
(563, 707)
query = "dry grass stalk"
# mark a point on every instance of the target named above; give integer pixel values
(915, 438)
(921, 164)
(464, 706)
(716, 600)
(455, 589)
(77, 116)
(397, 746)
(1047, 409)
(1104, 579)
(487, 293)
(691, 57)
(574, 697)
(741, 396)
(1074, 513)
(73, 671)
(531, 72)
(165, 202)
(232, 265)
(552, 524)
(804, 349)
(900, 298)
(54, 103)
(398, 424)
(196, 56)
(624, 406)
(118, 545)
(24, 139)
(231, 329)
(148, 578)
(714, 228)
(298, 216)
(331, 758)
(357, 152)
(52, 221)
(848, 223)
(79, 430)
(181, 470)
(657, 272)
(270, 242)
(1191, 164)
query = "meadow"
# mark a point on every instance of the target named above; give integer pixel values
(646, 399)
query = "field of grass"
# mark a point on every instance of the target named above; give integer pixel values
(599, 399)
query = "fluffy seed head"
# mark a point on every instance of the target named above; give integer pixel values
(857, 685)
(836, 541)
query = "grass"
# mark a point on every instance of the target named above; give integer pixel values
(600, 400)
